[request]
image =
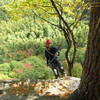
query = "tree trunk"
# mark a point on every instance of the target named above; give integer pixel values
(90, 83)
(70, 66)
(89, 88)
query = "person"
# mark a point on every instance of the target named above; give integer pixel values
(52, 56)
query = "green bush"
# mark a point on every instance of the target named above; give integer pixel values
(63, 58)
(81, 34)
(37, 69)
(19, 56)
(1, 59)
(4, 71)
(77, 70)
(4, 76)
(80, 55)
(12, 74)
(79, 58)
(16, 65)
(5, 68)
(36, 73)
(62, 54)
(34, 60)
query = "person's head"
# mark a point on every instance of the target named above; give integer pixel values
(48, 43)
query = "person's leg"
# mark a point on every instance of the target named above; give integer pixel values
(60, 67)
(56, 73)
(55, 70)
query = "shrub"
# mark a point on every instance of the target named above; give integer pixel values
(35, 61)
(35, 69)
(19, 56)
(5, 68)
(77, 70)
(63, 59)
(80, 55)
(36, 73)
(1, 59)
(12, 74)
(62, 54)
(16, 65)
(3, 76)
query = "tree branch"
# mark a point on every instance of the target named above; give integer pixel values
(47, 20)
(68, 29)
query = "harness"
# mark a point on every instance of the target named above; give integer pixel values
(52, 55)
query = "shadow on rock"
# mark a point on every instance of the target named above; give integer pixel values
(31, 97)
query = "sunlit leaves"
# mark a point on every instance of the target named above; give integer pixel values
(44, 8)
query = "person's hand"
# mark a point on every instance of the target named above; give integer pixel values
(56, 54)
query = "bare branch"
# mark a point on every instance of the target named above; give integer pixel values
(46, 20)
(68, 28)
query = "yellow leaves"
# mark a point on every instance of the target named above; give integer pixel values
(66, 94)
(44, 8)
(21, 88)
(78, 1)
(18, 9)
(24, 5)
(68, 10)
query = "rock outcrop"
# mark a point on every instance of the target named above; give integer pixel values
(62, 87)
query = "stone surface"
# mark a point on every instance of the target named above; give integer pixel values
(39, 90)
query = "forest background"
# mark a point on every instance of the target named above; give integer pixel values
(24, 27)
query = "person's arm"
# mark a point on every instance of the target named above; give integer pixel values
(46, 57)
(56, 52)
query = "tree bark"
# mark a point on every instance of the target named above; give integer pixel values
(70, 66)
(89, 88)
(90, 83)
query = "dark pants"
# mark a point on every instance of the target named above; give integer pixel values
(56, 67)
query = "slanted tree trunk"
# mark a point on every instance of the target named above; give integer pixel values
(89, 88)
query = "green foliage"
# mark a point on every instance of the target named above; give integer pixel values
(37, 69)
(80, 55)
(15, 65)
(77, 70)
(22, 36)
(3, 14)
(5, 69)
(79, 58)
(1, 59)
(62, 54)
(33, 67)
(81, 34)
(36, 73)
(63, 58)
(4, 76)
(19, 56)
(34, 60)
